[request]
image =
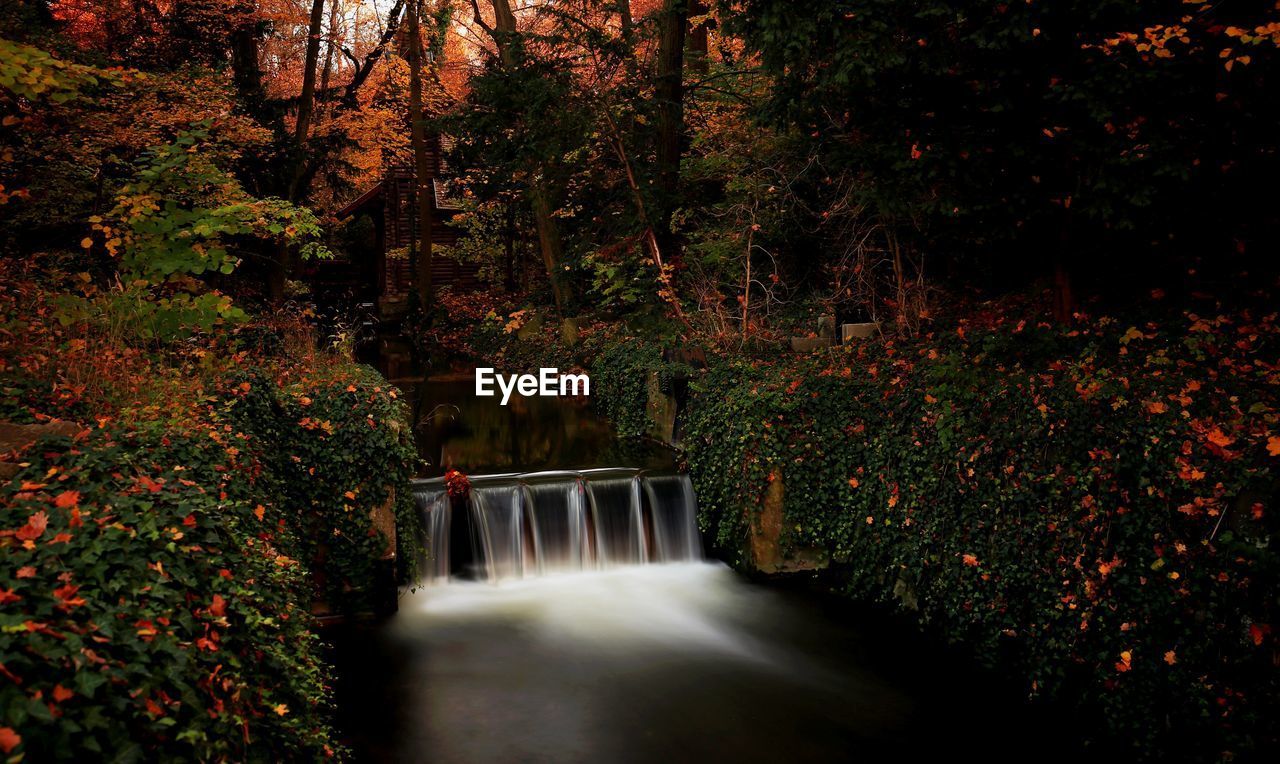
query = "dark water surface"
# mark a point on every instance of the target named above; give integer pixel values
(662, 663)
(479, 435)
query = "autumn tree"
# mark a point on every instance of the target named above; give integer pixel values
(1098, 136)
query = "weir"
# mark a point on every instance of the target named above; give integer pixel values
(541, 523)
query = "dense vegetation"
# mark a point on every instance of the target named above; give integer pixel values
(163, 563)
(1089, 508)
(1058, 446)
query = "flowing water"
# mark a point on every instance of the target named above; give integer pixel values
(568, 615)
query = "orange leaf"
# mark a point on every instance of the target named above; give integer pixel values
(61, 693)
(67, 499)
(219, 606)
(67, 593)
(9, 739)
(34, 528)
(1170, 657)
(1220, 439)
(1273, 445)
(970, 560)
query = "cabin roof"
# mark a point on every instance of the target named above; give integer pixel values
(375, 196)
(366, 199)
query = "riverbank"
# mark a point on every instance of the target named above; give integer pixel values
(206, 499)
(1087, 507)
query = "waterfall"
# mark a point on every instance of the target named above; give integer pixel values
(514, 526)
(675, 522)
(433, 504)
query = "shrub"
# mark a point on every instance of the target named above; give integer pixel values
(1091, 506)
(621, 392)
(147, 612)
(334, 446)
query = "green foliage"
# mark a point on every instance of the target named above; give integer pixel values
(36, 75)
(181, 214)
(1092, 508)
(146, 612)
(135, 313)
(349, 452)
(620, 375)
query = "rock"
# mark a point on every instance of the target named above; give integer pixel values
(531, 328)
(767, 555)
(384, 520)
(827, 326)
(16, 438)
(864, 331)
(810, 344)
(660, 410)
(903, 591)
(569, 332)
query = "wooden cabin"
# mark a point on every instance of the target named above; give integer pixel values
(392, 211)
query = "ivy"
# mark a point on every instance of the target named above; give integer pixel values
(1091, 507)
(350, 453)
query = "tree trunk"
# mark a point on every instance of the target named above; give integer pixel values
(246, 73)
(699, 35)
(510, 246)
(549, 243)
(327, 69)
(423, 175)
(506, 37)
(307, 101)
(366, 68)
(668, 92)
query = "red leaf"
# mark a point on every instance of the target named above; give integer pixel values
(67, 499)
(1258, 632)
(219, 606)
(34, 528)
(9, 739)
(68, 596)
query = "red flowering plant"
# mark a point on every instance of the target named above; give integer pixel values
(457, 484)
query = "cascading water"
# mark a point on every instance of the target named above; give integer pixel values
(554, 522)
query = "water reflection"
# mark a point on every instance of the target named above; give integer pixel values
(457, 429)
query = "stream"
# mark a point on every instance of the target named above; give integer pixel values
(567, 614)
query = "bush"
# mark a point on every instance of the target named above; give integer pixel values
(1093, 507)
(147, 611)
(620, 375)
(349, 452)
